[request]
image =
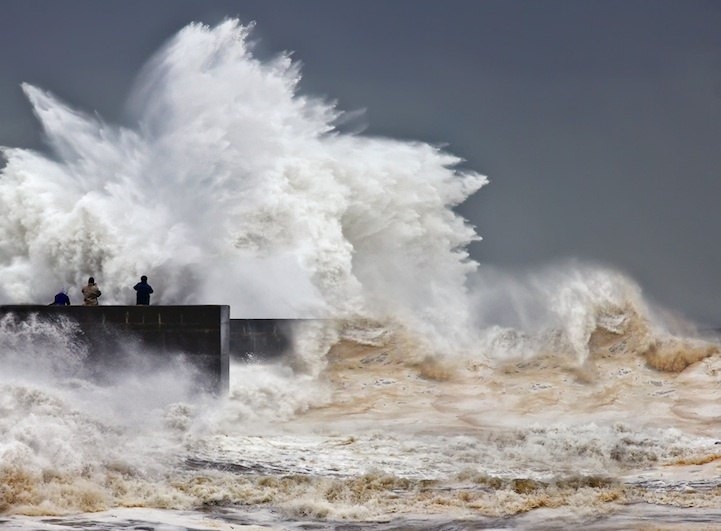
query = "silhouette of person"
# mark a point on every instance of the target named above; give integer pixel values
(61, 299)
(143, 291)
(91, 292)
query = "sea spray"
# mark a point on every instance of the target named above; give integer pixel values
(41, 349)
(234, 188)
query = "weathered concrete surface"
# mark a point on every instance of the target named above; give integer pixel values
(201, 333)
(260, 338)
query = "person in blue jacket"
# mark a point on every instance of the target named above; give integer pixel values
(61, 299)
(143, 291)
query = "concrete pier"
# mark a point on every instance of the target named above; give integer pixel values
(200, 333)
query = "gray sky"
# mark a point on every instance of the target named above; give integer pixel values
(597, 122)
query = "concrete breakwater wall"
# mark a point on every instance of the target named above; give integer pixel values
(260, 339)
(204, 335)
(200, 333)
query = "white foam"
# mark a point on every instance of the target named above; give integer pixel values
(233, 188)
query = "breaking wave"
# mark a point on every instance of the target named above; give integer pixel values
(233, 188)
(436, 385)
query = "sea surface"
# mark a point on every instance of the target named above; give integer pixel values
(426, 391)
(379, 438)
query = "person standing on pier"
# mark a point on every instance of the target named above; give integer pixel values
(143, 290)
(91, 292)
(61, 299)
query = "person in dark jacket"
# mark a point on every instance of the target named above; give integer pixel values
(143, 290)
(61, 299)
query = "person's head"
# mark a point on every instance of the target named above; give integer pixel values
(91, 280)
(143, 279)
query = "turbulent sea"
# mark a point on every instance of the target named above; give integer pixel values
(422, 390)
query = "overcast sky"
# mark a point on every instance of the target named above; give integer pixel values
(598, 123)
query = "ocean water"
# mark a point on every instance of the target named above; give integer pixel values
(425, 391)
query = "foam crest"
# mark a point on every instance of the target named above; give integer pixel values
(578, 311)
(585, 300)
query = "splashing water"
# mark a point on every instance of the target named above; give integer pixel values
(234, 189)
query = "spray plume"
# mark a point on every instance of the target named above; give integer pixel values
(236, 189)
